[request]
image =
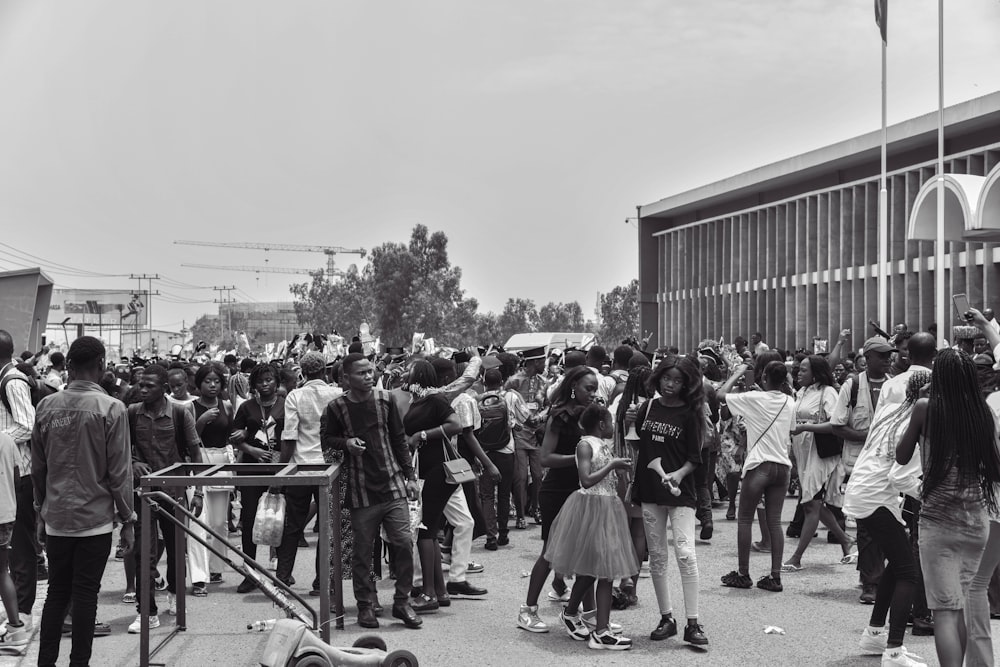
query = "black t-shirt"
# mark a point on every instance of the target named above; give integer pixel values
(669, 434)
(426, 414)
(216, 432)
(253, 417)
(565, 423)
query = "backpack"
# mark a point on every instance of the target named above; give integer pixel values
(855, 384)
(38, 390)
(494, 434)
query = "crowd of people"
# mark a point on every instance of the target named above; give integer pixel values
(619, 457)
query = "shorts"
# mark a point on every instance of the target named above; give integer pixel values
(949, 558)
(6, 532)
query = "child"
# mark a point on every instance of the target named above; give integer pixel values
(590, 536)
(16, 633)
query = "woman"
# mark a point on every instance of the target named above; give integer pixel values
(430, 424)
(671, 428)
(961, 467)
(213, 421)
(814, 404)
(768, 418)
(257, 426)
(562, 433)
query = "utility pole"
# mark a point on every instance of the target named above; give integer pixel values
(222, 301)
(149, 303)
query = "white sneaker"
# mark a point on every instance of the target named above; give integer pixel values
(12, 637)
(171, 604)
(136, 627)
(555, 597)
(609, 642)
(899, 657)
(527, 619)
(589, 619)
(644, 571)
(873, 641)
(574, 626)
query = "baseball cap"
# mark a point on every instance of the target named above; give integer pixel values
(877, 344)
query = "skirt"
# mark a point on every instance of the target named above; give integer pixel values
(590, 537)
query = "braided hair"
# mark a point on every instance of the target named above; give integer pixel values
(634, 392)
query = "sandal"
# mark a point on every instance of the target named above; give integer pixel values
(760, 548)
(791, 567)
(128, 598)
(850, 559)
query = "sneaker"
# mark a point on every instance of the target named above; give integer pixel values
(198, 590)
(491, 544)
(706, 530)
(160, 584)
(644, 571)
(695, 634)
(923, 626)
(873, 641)
(608, 641)
(475, 568)
(171, 604)
(538, 517)
(503, 540)
(868, 594)
(900, 657)
(520, 524)
(136, 627)
(736, 580)
(589, 619)
(15, 636)
(769, 583)
(246, 586)
(215, 578)
(574, 626)
(665, 630)
(527, 619)
(559, 597)
(120, 553)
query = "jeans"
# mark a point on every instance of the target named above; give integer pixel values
(769, 481)
(952, 552)
(23, 558)
(495, 496)
(979, 650)
(458, 513)
(394, 517)
(167, 529)
(76, 565)
(898, 584)
(297, 502)
(525, 495)
(654, 519)
(871, 560)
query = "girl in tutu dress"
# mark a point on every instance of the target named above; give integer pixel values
(590, 536)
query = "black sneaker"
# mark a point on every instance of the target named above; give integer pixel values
(503, 541)
(868, 594)
(666, 629)
(706, 530)
(695, 634)
(491, 544)
(769, 583)
(923, 627)
(736, 580)
(520, 524)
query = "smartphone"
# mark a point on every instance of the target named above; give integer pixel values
(961, 302)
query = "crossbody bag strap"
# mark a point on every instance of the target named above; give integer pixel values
(777, 414)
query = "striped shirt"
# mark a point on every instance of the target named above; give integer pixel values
(20, 419)
(379, 475)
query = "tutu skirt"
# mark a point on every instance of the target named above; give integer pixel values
(590, 537)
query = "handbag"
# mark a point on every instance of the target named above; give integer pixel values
(456, 470)
(827, 444)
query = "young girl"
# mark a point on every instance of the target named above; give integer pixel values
(958, 449)
(15, 633)
(590, 536)
(670, 430)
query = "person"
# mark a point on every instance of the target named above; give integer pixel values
(213, 422)
(17, 419)
(590, 535)
(670, 429)
(856, 405)
(81, 472)
(162, 434)
(55, 379)
(365, 426)
(429, 424)
(757, 343)
(768, 418)
(596, 358)
(818, 476)
(531, 384)
(961, 468)
(495, 491)
(257, 429)
(16, 632)
(177, 381)
(300, 443)
(562, 432)
(991, 321)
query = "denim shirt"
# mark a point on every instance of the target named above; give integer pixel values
(157, 440)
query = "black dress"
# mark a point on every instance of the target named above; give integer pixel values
(427, 414)
(560, 483)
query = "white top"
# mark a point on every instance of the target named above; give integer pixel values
(765, 441)
(8, 461)
(304, 408)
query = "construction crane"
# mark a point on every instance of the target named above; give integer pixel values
(329, 251)
(267, 269)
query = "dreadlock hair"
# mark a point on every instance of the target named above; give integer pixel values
(960, 428)
(898, 418)
(693, 393)
(634, 392)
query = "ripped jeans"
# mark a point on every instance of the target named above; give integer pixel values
(682, 521)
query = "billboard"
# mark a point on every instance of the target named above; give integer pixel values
(99, 308)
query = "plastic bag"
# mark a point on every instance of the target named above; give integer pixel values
(269, 523)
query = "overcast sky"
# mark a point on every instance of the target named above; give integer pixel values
(526, 130)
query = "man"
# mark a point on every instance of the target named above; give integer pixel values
(300, 442)
(503, 412)
(55, 379)
(851, 418)
(82, 479)
(991, 320)
(757, 343)
(619, 369)
(365, 425)
(17, 419)
(531, 385)
(597, 356)
(162, 434)
(964, 337)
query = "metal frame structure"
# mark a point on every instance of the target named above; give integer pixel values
(183, 475)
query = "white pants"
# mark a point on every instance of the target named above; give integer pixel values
(215, 512)
(458, 515)
(682, 520)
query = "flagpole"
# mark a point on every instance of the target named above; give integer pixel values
(883, 218)
(939, 296)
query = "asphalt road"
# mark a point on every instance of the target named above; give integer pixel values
(818, 610)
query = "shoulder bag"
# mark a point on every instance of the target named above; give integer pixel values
(827, 444)
(456, 470)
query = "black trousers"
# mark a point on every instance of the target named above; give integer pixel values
(23, 557)
(297, 502)
(167, 529)
(898, 583)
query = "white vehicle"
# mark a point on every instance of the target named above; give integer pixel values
(549, 340)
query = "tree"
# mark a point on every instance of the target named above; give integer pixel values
(518, 316)
(561, 317)
(620, 313)
(206, 328)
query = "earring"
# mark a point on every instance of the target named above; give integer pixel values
(572, 393)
